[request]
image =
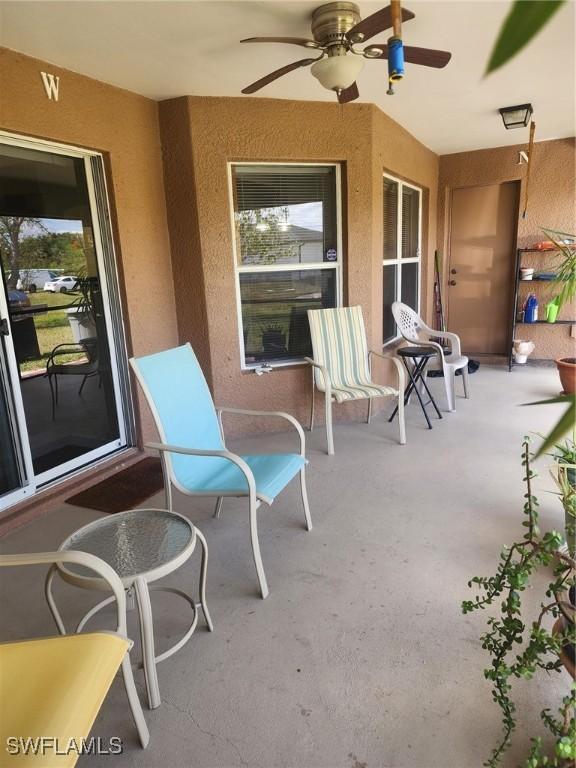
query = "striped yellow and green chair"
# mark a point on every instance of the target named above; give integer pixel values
(342, 365)
(52, 688)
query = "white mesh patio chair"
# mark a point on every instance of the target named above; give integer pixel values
(193, 452)
(415, 330)
(341, 367)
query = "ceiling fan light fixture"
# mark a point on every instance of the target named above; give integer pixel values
(337, 73)
(516, 117)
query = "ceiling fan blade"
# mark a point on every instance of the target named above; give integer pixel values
(253, 87)
(348, 94)
(290, 40)
(374, 24)
(426, 57)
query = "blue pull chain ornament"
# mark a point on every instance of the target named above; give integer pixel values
(395, 63)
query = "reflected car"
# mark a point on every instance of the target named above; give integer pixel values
(18, 299)
(61, 284)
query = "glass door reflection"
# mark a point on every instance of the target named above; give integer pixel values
(56, 308)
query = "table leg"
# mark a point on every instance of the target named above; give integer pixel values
(430, 396)
(147, 636)
(420, 365)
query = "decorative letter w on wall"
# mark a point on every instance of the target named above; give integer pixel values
(51, 84)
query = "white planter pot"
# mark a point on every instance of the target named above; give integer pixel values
(81, 323)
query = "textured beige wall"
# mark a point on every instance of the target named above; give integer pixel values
(222, 130)
(552, 204)
(125, 128)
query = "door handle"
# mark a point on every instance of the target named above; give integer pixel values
(4, 327)
(452, 282)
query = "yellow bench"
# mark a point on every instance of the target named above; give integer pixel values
(51, 689)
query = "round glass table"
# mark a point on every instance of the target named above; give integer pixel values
(142, 546)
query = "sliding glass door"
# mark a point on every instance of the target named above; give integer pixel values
(62, 398)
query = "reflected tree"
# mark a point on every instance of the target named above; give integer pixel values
(12, 251)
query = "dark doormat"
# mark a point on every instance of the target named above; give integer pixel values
(124, 490)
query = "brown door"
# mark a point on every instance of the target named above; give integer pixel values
(483, 227)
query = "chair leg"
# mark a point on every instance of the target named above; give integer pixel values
(50, 600)
(312, 406)
(449, 381)
(82, 385)
(369, 416)
(218, 507)
(203, 572)
(401, 420)
(256, 550)
(329, 431)
(52, 396)
(305, 499)
(167, 483)
(466, 382)
(134, 702)
(147, 636)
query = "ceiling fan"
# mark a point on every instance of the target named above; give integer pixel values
(336, 29)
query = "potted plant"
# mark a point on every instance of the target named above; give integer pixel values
(519, 648)
(81, 315)
(565, 456)
(565, 280)
(273, 339)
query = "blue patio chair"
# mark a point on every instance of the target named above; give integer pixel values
(193, 452)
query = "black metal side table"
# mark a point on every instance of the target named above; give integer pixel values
(419, 357)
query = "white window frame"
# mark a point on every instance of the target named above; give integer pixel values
(240, 269)
(399, 261)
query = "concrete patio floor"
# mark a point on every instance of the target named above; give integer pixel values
(360, 657)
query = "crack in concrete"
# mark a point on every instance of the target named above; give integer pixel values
(214, 736)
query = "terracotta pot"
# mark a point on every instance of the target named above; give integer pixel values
(567, 370)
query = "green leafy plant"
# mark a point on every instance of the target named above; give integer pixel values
(519, 649)
(563, 475)
(565, 453)
(525, 19)
(564, 424)
(566, 268)
(85, 287)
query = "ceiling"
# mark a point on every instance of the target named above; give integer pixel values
(167, 49)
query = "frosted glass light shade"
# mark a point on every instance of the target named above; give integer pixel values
(337, 72)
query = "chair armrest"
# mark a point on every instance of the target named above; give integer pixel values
(278, 414)
(453, 338)
(238, 460)
(438, 347)
(399, 369)
(85, 559)
(69, 348)
(327, 382)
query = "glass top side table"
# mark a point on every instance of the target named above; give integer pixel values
(142, 545)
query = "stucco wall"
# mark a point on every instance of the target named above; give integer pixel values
(552, 204)
(124, 127)
(221, 130)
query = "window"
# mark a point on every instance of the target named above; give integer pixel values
(402, 213)
(287, 247)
